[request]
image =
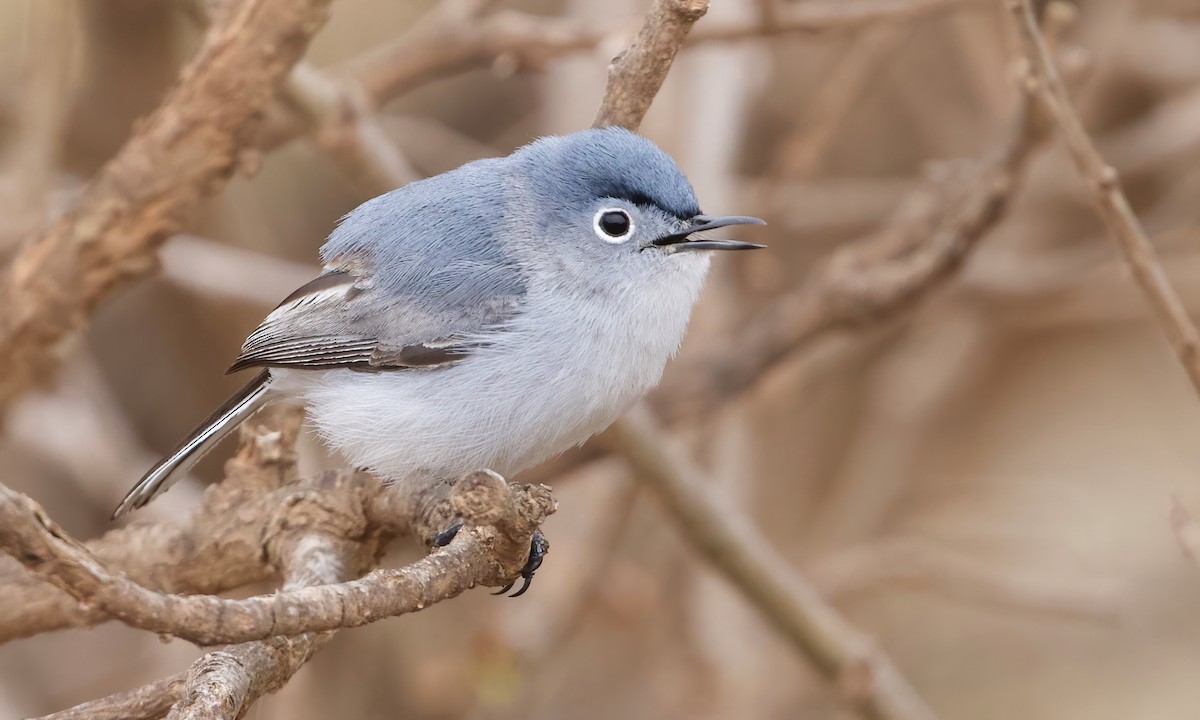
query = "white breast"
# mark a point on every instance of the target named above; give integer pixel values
(564, 370)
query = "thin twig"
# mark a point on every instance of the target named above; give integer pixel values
(920, 249)
(451, 44)
(918, 563)
(733, 545)
(347, 129)
(1104, 187)
(635, 75)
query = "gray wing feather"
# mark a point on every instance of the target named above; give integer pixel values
(413, 278)
(342, 319)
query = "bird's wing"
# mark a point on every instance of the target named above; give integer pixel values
(344, 318)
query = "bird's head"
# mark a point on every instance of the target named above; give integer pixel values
(614, 194)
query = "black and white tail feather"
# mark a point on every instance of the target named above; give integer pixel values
(225, 419)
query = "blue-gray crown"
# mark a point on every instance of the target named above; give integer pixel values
(608, 162)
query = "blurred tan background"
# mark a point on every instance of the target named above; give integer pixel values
(983, 484)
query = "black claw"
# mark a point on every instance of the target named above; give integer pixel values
(527, 582)
(538, 547)
(443, 538)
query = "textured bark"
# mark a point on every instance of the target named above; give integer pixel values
(185, 150)
(635, 76)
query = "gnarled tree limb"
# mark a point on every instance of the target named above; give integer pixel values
(220, 547)
(490, 552)
(222, 684)
(315, 531)
(185, 150)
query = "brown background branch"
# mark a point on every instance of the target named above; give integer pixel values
(727, 540)
(635, 76)
(187, 149)
(449, 44)
(1104, 186)
(866, 283)
(852, 663)
(148, 702)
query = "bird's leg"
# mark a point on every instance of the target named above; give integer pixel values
(538, 547)
(459, 512)
(443, 538)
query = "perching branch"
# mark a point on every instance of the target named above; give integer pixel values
(1105, 189)
(490, 552)
(313, 532)
(220, 547)
(184, 151)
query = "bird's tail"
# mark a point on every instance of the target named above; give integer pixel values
(241, 405)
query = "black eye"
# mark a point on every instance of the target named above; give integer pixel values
(614, 223)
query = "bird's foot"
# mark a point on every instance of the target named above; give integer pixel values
(443, 538)
(538, 547)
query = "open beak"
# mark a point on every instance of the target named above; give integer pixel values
(700, 223)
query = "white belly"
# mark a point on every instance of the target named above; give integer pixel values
(554, 378)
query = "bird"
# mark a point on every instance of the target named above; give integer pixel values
(489, 317)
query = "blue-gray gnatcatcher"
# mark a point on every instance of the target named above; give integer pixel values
(488, 317)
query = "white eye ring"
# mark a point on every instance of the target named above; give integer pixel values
(603, 225)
